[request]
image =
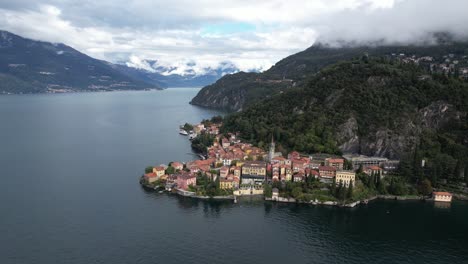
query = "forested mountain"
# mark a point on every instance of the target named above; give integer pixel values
(235, 92)
(373, 106)
(29, 66)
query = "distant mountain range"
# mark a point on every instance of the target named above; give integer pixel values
(186, 77)
(30, 66)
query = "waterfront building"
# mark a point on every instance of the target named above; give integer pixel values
(299, 177)
(150, 177)
(184, 180)
(159, 171)
(226, 184)
(177, 165)
(253, 172)
(442, 196)
(275, 194)
(346, 177)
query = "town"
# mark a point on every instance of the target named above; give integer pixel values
(231, 168)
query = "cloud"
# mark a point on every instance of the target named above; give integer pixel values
(252, 35)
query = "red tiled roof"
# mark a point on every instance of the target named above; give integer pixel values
(327, 168)
(150, 175)
(373, 168)
(336, 160)
(442, 193)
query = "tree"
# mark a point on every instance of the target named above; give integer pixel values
(296, 192)
(149, 169)
(425, 187)
(267, 190)
(170, 170)
(188, 127)
(372, 181)
(349, 195)
(466, 173)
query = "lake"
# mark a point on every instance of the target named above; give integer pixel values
(69, 193)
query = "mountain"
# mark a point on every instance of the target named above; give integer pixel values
(237, 91)
(371, 106)
(188, 75)
(29, 66)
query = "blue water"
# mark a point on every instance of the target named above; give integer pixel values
(69, 193)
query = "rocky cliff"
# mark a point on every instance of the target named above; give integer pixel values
(375, 107)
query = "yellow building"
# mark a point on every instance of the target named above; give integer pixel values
(225, 184)
(254, 168)
(159, 171)
(345, 177)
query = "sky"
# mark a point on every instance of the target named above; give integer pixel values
(252, 35)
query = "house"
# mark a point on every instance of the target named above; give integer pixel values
(225, 143)
(226, 184)
(333, 162)
(314, 173)
(184, 180)
(294, 155)
(299, 177)
(327, 172)
(442, 196)
(224, 171)
(159, 171)
(345, 177)
(300, 164)
(150, 177)
(275, 194)
(364, 161)
(177, 165)
(236, 171)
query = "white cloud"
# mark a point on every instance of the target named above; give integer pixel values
(173, 32)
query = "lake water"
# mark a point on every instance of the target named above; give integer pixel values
(69, 193)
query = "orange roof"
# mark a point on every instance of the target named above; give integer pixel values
(150, 175)
(442, 193)
(159, 168)
(336, 160)
(374, 167)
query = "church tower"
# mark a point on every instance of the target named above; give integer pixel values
(271, 153)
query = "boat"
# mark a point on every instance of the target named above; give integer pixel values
(183, 132)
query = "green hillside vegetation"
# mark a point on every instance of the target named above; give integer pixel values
(238, 91)
(380, 94)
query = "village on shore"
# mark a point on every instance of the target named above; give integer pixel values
(232, 168)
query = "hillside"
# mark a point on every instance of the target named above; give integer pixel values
(235, 92)
(29, 66)
(367, 106)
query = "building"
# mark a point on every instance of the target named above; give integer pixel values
(334, 162)
(376, 170)
(299, 177)
(358, 160)
(226, 184)
(442, 196)
(346, 177)
(177, 165)
(150, 177)
(327, 172)
(253, 172)
(159, 171)
(275, 194)
(224, 171)
(184, 180)
(271, 153)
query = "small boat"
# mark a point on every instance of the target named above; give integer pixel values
(160, 191)
(183, 132)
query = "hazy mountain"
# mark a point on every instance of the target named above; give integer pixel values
(188, 75)
(29, 66)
